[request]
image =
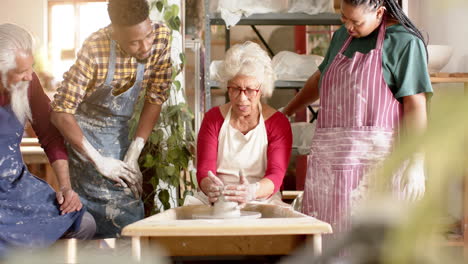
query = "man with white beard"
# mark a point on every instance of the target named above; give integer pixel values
(32, 214)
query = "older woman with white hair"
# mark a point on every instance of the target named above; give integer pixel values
(244, 146)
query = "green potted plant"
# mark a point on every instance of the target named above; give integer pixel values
(166, 161)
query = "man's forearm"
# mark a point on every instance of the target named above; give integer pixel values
(61, 171)
(70, 130)
(148, 118)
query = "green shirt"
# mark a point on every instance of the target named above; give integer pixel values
(404, 58)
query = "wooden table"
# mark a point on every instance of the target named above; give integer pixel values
(279, 232)
(451, 78)
(36, 160)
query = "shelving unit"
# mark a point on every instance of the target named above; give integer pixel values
(282, 19)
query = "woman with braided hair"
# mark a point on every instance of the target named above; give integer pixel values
(373, 85)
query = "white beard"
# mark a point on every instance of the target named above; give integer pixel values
(19, 101)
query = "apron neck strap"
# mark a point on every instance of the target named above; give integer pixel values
(382, 30)
(380, 38)
(346, 44)
(111, 67)
(112, 61)
(228, 115)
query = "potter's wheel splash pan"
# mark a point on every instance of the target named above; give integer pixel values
(210, 215)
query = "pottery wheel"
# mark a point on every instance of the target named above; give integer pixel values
(244, 215)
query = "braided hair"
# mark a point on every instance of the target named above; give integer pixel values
(395, 11)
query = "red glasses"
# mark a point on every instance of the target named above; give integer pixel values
(249, 92)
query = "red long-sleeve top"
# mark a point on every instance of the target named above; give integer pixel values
(278, 152)
(49, 137)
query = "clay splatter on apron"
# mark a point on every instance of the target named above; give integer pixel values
(356, 130)
(104, 118)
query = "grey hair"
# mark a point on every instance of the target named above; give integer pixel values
(12, 39)
(251, 60)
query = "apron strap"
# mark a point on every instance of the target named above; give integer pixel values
(228, 115)
(380, 38)
(382, 30)
(140, 72)
(111, 67)
(345, 45)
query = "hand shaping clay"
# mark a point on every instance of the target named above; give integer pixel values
(226, 209)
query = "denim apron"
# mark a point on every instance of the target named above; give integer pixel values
(29, 212)
(103, 118)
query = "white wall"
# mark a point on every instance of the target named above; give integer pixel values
(445, 22)
(30, 14)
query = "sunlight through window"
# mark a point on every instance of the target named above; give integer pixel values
(70, 23)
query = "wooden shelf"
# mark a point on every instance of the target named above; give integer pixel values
(454, 242)
(283, 19)
(286, 84)
(442, 77)
(449, 79)
(279, 84)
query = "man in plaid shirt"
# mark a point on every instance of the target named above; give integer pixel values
(95, 102)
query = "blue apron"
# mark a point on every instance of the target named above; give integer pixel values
(103, 118)
(29, 212)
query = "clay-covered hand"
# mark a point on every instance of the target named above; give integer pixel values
(113, 169)
(413, 179)
(131, 159)
(212, 186)
(68, 200)
(243, 192)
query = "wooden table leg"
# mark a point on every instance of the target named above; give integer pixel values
(71, 247)
(465, 199)
(465, 215)
(317, 238)
(138, 245)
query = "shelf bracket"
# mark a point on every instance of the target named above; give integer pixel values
(270, 51)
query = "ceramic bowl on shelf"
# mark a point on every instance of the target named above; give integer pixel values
(439, 56)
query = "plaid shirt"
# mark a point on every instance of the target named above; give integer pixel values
(90, 70)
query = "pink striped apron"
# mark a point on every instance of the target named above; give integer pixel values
(357, 125)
